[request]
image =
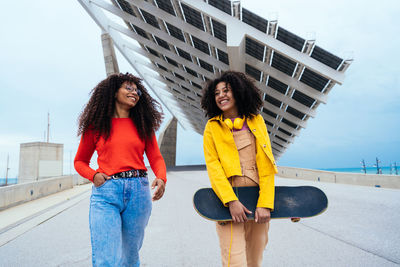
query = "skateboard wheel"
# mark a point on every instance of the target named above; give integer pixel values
(295, 219)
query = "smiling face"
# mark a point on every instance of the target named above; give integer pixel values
(225, 100)
(127, 95)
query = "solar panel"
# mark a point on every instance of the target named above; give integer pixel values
(184, 54)
(219, 30)
(190, 71)
(140, 31)
(283, 64)
(326, 58)
(162, 43)
(275, 59)
(176, 91)
(179, 76)
(197, 108)
(284, 131)
(253, 72)
(196, 85)
(289, 123)
(125, 6)
(223, 5)
(277, 85)
(313, 80)
(295, 112)
(162, 67)
(303, 99)
(166, 6)
(201, 45)
(171, 61)
(277, 144)
(185, 88)
(273, 148)
(280, 138)
(254, 49)
(206, 66)
(175, 32)
(150, 19)
(223, 57)
(270, 113)
(290, 39)
(254, 20)
(192, 16)
(269, 123)
(168, 79)
(273, 101)
(154, 52)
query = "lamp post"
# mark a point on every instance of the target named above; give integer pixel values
(8, 159)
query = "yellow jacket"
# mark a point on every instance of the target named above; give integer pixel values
(222, 159)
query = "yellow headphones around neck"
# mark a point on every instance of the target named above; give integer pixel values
(237, 123)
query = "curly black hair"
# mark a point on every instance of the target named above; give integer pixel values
(146, 114)
(246, 94)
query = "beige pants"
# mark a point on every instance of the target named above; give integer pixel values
(242, 244)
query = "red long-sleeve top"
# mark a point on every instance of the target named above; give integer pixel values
(123, 151)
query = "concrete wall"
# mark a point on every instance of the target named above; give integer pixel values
(167, 142)
(39, 160)
(379, 180)
(13, 195)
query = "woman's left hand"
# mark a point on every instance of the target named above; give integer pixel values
(263, 215)
(159, 183)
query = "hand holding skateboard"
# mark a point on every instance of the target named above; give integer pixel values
(238, 211)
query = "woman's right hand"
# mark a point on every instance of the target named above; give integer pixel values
(100, 178)
(238, 211)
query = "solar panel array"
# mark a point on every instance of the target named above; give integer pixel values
(187, 44)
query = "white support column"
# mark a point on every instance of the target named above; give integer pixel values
(110, 59)
(235, 48)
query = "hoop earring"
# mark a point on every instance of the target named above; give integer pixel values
(237, 123)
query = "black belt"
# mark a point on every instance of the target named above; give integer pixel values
(129, 174)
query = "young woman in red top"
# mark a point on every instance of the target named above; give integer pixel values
(118, 123)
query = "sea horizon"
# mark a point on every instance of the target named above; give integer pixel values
(370, 170)
(9, 181)
(387, 170)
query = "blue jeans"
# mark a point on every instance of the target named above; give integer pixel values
(119, 212)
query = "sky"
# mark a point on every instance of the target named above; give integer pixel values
(51, 57)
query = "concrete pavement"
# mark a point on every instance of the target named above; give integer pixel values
(360, 228)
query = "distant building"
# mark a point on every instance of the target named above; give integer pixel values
(40, 160)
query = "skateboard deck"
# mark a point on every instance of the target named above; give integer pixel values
(290, 202)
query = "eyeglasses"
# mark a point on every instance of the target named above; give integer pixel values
(132, 89)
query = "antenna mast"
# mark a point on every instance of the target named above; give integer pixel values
(378, 169)
(48, 126)
(364, 169)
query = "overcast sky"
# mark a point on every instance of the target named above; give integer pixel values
(51, 58)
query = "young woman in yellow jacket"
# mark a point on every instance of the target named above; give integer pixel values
(238, 152)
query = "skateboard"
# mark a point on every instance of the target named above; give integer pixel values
(290, 202)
